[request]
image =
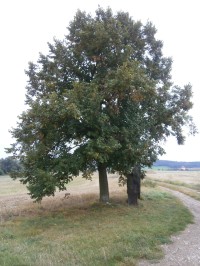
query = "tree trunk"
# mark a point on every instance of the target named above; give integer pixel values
(103, 183)
(139, 187)
(132, 189)
(134, 185)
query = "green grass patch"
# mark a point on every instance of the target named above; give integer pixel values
(148, 183)
(94, 233)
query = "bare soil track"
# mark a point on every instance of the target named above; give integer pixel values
(185, 247)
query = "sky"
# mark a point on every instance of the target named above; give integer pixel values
(27, 25)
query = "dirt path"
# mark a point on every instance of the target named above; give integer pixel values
(185, 249)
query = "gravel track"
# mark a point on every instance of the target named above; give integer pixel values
(185, 247)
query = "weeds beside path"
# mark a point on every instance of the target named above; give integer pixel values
(185, 249)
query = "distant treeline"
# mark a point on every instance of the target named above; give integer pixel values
(8, 165)
(176, 164)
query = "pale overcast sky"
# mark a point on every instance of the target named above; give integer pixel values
(27, 25)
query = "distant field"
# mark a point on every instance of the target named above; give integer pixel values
(190, 177)
(81, 231)
(164, 168)
(8, 186)
(11, 187)
(187, 182)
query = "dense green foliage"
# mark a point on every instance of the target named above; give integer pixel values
(101, 99)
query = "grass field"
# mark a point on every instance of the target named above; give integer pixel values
(187, 182)
(11, 187)
(81, 231)
(185, 177)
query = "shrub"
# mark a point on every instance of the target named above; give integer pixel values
(1, 172)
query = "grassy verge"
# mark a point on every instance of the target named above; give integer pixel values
(181, 188)
(187, 182)
(181, 184)
(92, 233)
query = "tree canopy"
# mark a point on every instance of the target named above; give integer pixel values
(101, 99)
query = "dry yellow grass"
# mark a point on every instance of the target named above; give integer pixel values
(14, 198)
(188, 177)
(9, 186)
(187, 182)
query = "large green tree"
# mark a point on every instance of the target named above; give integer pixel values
(101, 99)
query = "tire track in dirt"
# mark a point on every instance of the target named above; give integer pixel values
(185, 249)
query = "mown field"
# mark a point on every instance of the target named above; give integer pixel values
(80, 231)
(187, 182)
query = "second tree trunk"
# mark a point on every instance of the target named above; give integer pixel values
(103, 183)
